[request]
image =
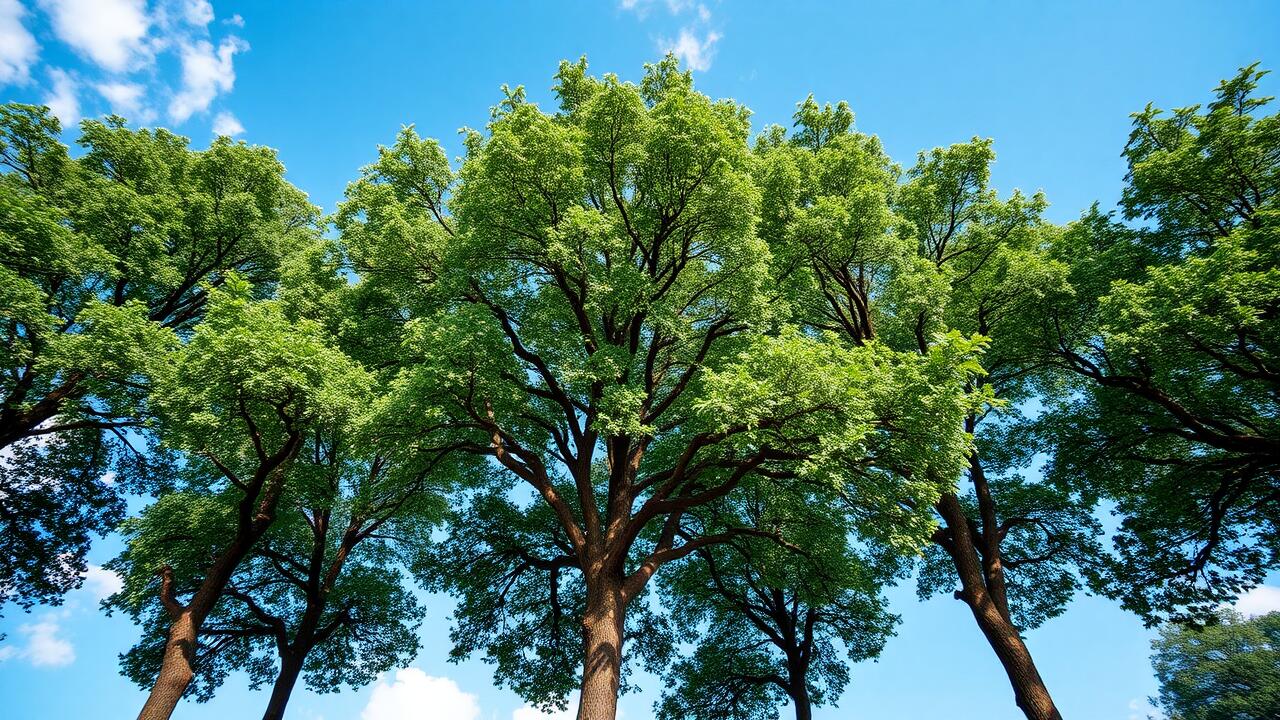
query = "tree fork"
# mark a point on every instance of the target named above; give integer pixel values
(1030, 692)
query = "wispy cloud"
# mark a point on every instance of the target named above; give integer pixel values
(695, 53)
(41, 643)
(101, 582)
(1142, 709)
(18, 47)
(224, 123)
(695, 43)
(122, 43)
(206, 72)
(107, 32)
(62, 99)
(1259, 601)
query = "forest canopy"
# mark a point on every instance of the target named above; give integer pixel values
(639, 388)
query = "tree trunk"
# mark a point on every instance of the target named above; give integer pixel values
(175, 670)
(1029, 689)
(602, 625)
(256, 513)
(799, 693)
(290, 669)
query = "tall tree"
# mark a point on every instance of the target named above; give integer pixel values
(874, 260)
(319, 595)
(606, 333)
(238, 401)
(100, 257)
(1010, 548)
(775, 623)
(1173, 336)
(1226, 670)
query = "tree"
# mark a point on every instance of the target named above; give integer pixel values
(320, 594)
(1173, 338)
(605, 331)
(102, 258)
(774, 623)
(871, 259)
(1226, 670)
(1013, 547)
(238, 401)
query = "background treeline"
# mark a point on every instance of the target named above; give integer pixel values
(638, 389)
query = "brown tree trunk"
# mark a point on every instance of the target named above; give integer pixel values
(1030, 692)
(16, 425)
(602, 625)
(177, 666)
(290, 669)
(175, 670)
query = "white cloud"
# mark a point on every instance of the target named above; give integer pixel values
(529, 712)
(206, 72)
(17, 46)
(125, 98)
(102, 582)
(1259, 601)
(197, 12)
(224, 123)
(235, 20)
(415, 695)
(43, 644)
(642, 7)
(62, 99)
(108, 32)
(696, 54)
(123, 39)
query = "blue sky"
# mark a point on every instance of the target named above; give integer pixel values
(326, 83)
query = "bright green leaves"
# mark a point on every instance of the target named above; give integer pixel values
(819, 125)
(106, 261)
(1199, 173)
(1173, 336)
(249, 369)
(120, 348)
(393, 221)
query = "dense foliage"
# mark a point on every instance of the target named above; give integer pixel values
(640, 390)
(1226, 670)
(1172, 335)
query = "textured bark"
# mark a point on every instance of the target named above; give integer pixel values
(290, 669)
(602, 627)
(175, 671)
(1030, 692)
(178, 665)
(256, 513)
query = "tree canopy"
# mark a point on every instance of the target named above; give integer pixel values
(1172, 336)
(640, 390)
(106, 258)
(1228, 669)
